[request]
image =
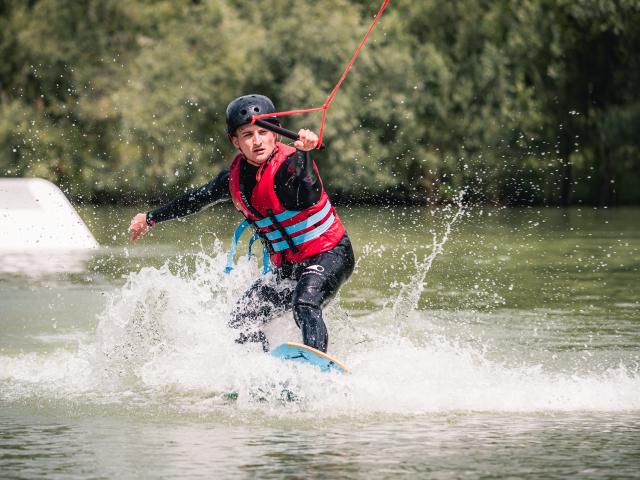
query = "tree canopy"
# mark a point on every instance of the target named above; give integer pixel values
(521, 102)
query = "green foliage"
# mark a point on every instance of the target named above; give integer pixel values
(518, 101)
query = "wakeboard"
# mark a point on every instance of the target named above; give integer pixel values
(283, 391)
(298, 352)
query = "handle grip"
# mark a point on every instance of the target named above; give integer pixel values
(281, 131)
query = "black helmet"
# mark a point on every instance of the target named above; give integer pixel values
(240, 111)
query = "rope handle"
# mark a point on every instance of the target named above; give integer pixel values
(325, 106)
(281, 131)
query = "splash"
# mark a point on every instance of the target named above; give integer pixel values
(410, 293)
(162, 345)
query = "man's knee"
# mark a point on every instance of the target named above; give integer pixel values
(237, 317)
(257, 336)
(250, 311)
(314, 289)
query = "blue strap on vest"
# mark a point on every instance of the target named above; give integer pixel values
(266, 267)
(251, 242)
(234, 245)
(276, 234)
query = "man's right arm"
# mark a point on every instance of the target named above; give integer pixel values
(192, 201)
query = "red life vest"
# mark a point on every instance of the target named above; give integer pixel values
(291, 236)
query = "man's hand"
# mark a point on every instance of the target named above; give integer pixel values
(138, 227)
(307, 140)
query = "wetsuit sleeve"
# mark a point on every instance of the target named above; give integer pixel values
(297, 183)
(194, 200)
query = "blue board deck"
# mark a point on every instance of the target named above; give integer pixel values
(298, 352)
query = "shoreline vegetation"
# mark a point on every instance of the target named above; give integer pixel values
(398, 198)
(518, 102)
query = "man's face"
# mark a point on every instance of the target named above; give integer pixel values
(255, 143)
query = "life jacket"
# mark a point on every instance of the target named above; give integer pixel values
(287, 235)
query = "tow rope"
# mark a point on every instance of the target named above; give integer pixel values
(333, 93)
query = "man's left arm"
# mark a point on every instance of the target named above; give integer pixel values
(297, 183)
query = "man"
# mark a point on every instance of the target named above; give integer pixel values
(279, 191)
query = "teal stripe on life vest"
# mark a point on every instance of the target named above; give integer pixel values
(281, 217)
(305, 237)
(297, 227)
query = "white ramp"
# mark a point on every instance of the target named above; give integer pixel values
(36, 216)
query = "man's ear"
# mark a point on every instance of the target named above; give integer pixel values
(234, 140)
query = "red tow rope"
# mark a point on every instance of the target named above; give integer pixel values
(333, 93)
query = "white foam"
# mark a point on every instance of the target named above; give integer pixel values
(164, 335)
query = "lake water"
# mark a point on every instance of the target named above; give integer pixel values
(483, 343)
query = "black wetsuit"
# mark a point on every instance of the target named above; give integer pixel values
(304, 287)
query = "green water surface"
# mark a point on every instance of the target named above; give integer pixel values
(550, 286)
